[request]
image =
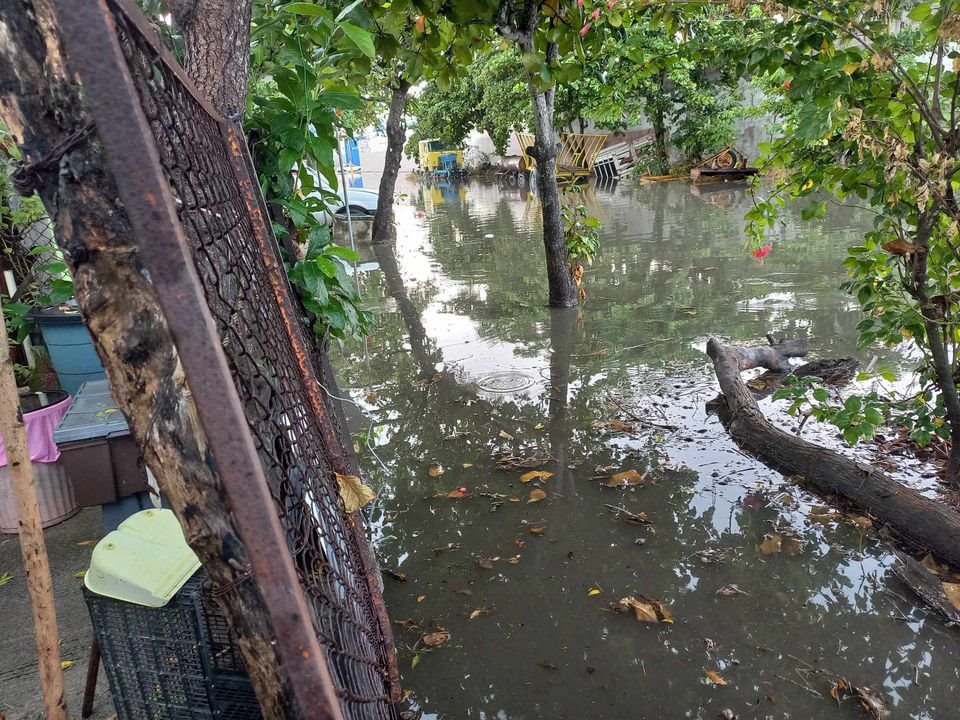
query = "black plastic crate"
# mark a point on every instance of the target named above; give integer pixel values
(177, 662)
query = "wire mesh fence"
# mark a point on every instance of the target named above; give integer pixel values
(297, 446)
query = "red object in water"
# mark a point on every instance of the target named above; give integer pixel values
(762, 252)
(584, 30)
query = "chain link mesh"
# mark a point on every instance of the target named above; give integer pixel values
(297, 461)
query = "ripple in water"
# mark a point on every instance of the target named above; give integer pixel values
(505, 382)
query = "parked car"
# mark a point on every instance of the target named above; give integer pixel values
(362, 201)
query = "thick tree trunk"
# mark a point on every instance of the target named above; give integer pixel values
(563, 291)
(383, 228)
(216, 35)
(920, 520)
(41, 106)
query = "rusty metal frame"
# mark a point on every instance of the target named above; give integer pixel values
(95, 54)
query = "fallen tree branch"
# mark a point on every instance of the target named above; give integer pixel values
(776, 357)
(907, 513)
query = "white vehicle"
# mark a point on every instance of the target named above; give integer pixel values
(362, 202)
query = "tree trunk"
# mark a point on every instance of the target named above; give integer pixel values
(563, 291)
(918, 519)
(775, 358)
(383, 227)
(216, 36)
(41, 106)
(933, 324)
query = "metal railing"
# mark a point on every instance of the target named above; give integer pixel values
(187, 184)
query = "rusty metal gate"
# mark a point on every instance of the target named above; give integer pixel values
(190, 191)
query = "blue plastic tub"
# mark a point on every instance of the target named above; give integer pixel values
(70, 346)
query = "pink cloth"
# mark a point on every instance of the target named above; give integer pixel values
(40, 426)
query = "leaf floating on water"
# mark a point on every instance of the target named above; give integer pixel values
(952, 591)
(478, 612)
(539, 426)
(467, 465)
(67, 664)
(5, 578)
(513, 560)
(536, 496)
(593, 591)
(614, 425)
(354, 493)
(398, 576)
(421, 598)
(505, 435)
(626, 478)
(485, 562)
(771, 544)
(870, 700)
(436, 639)
(536, 530)
(415, 661)
(730, 591)
(80, 575)
(646, 609)
(535, 475)
(86, 542)
(716, 678)
(457, 493)
(436, 471)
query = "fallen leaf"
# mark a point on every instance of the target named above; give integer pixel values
(505, 435)
(716, 678)
(518, 543)
(478, 612)
(398, 576)
(933, 566)
(80, 575)
(593, 591)
(467, 465)
(626, 478)
(485, 562)
(513, 499)
(646, 609)
(513, 560)
(436, 639)
(771, 544)
(421, 598)
(435, 471)
(415, 661)
(536, 496)
(86, 542)
(457, 493)
(535, 475)
(952, 591)
(5, 578)
(539, 426)
(353, 492)
(615, 425)
(408, 623)
(861, 521)
(870, 700)
(67, 663)
(537, 530)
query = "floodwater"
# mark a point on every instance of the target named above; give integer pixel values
(467, 365)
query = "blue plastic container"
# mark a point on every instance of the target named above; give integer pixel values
(70, 346)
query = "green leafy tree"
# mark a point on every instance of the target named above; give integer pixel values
(872, 101)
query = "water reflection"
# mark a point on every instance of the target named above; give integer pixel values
(462, 298)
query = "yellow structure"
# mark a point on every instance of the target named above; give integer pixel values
(430, 152)
(578, 153)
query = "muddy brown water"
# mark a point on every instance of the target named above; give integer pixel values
(467, 363)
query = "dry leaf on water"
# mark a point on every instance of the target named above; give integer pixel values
(457, 493)
(730, 591)
(67, 663)
(354, 493)
(478, 612)
(398, 576)
(870, 700)
(626, 478)
(535, 475)
(771, 544)
(615, 425)
(485, 562)
(467, 465)
(593, 591)
(646, 609)
(436, 639)
(537, 530)
(505, 435)
(716, 678)
(952, 591)
(536, 496)
(421, 598)
(436, 471)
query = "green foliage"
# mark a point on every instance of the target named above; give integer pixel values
(327, 290)
(581, 233)
(860, 417)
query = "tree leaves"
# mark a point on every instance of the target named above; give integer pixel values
(646, 609)
(627, 478)
(353, 492)
(361, 38)
(536, 496)
(535, 475)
